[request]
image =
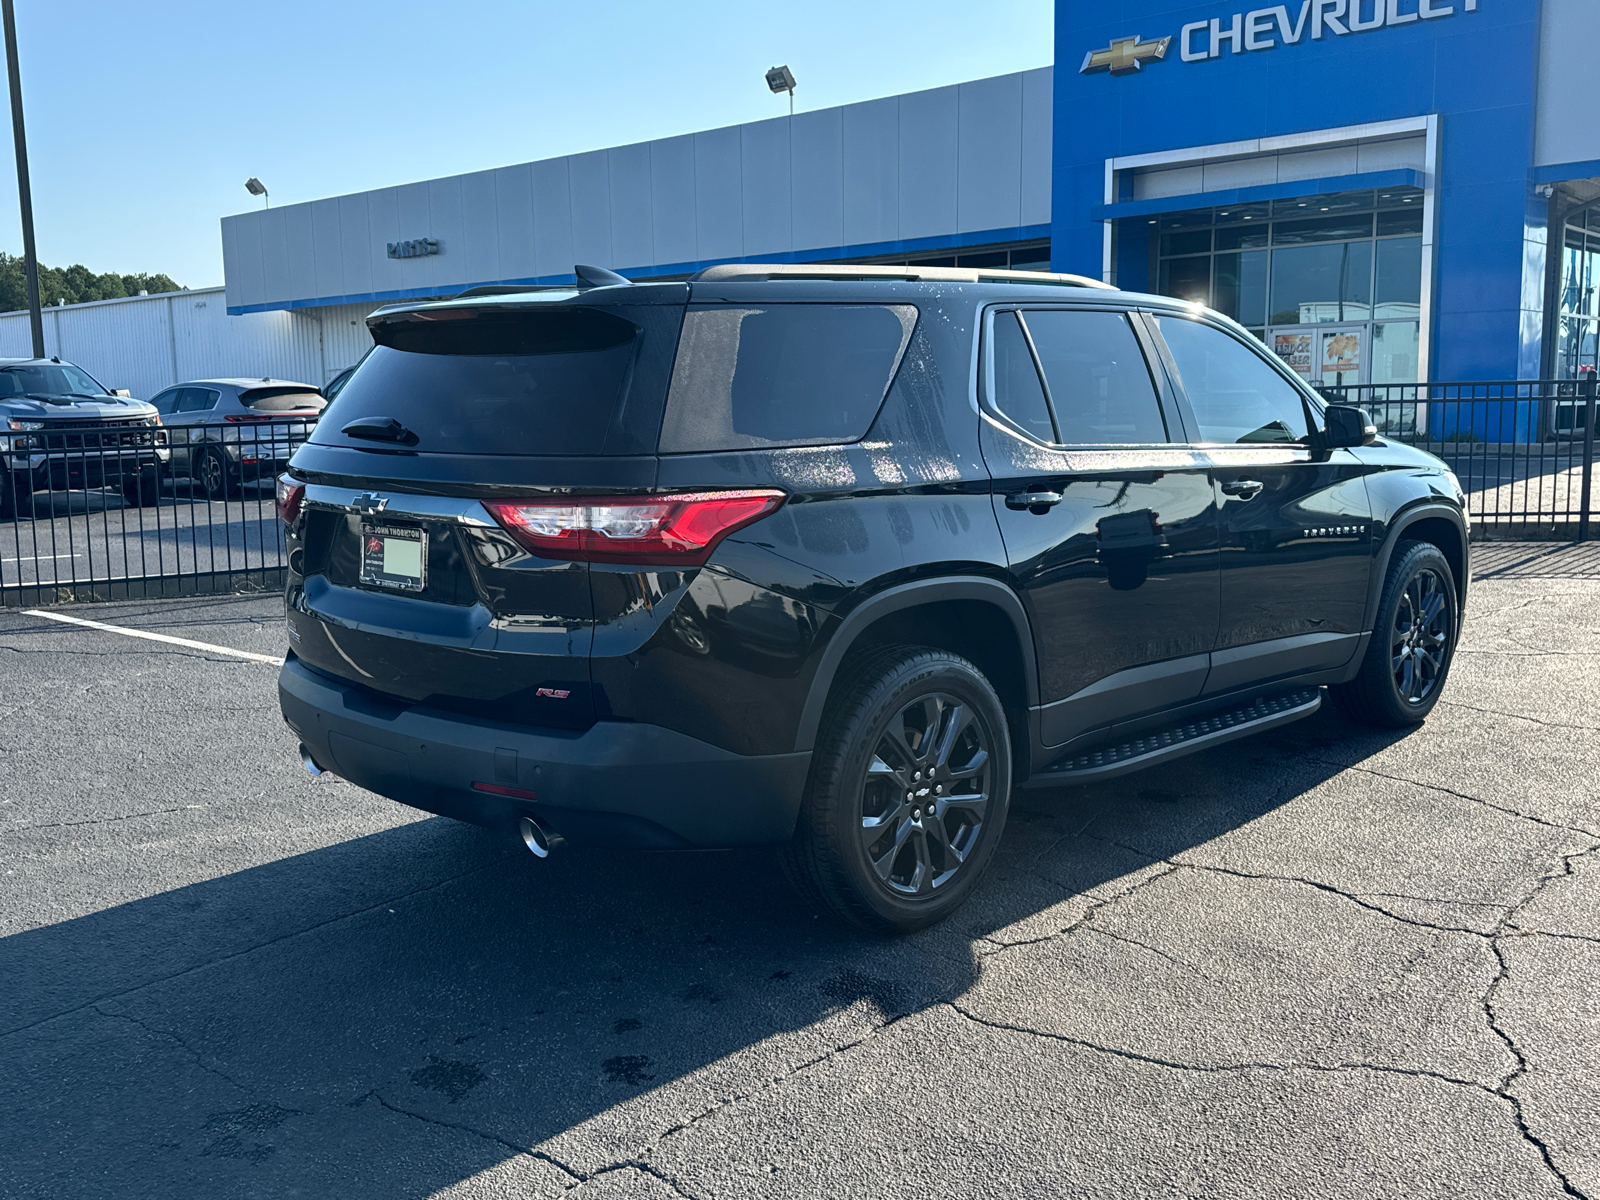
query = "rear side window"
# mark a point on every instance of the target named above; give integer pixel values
(468, 381)
(783, 375)
(1098, 380)
(1235, 394)
(1017, 392)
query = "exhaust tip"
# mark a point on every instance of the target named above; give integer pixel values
(539, 840)
(310, 764)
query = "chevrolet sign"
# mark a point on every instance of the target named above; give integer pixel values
(1267, 28)
(1125, 55)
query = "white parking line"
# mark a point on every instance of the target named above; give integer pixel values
(154, 637)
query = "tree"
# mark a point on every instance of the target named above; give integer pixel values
(73, 285)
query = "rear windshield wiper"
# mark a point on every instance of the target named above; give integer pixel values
(380, 429)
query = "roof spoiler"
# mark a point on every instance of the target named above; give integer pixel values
(755, 272)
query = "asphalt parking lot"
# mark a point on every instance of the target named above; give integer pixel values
(1326, 962)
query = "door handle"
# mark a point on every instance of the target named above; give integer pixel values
(1243, 488)
(1037, 503)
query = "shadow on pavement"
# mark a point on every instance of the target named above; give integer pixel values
(391, 1015)
(1537, 560)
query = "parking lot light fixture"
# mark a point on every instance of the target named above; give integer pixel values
(781, 79)
(256, 188)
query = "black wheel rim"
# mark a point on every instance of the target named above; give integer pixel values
(1420, 645)
(926, 795)
(211, 475)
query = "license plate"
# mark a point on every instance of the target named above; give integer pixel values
(394, 558)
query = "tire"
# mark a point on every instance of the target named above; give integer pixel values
(918, 870)
(1413, 642)
(143, 489)
(16, 496)
(215, 475)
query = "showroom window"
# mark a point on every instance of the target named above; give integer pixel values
(1580, 296)
(1332, 283)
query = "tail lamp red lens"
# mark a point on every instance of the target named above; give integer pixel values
(290, 494)
(678, 529)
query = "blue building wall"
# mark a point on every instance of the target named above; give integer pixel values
(1477, 69)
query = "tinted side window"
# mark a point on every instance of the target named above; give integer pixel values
(1236, 395)
(785, 375)
(195, 399)
(165, 401)
(1017, 392)
(1099, 382)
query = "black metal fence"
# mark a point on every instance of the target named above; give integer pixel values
(129, 510)
(1524, 451)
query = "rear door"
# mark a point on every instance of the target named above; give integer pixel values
(409, 586)
(1108, 516)
(1295, 520)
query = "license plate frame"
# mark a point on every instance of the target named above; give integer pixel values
(377, 568)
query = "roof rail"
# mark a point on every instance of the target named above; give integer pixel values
(753, 272)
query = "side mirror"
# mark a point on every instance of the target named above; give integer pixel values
(1348, 425)
(123, 392)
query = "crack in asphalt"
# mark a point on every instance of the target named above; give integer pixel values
(643, 1168)
(531, 1152)
(1177, 962)
(1492, 1016)
(199, 1059)
(1223, 1068)
(155, 812)
(172, 652)
(1501, 930)
(1496, 712)
(284, 937)
(1352, 897)
(1436, 787)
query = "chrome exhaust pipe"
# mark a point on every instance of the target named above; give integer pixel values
(538, 839)
(310, 764)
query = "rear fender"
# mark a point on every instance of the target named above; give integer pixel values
(896, 599)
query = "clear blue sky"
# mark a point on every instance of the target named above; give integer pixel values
(144, 119)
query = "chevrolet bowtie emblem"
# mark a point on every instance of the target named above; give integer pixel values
(1124, 55)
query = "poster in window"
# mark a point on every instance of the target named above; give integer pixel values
(1295, 351)
(1341, 352)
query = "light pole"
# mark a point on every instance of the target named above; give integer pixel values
(252, 185)
(781, 79)
(30, 259)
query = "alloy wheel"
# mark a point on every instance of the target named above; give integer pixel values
(926, 795)
(1420, 640)
(211, 475)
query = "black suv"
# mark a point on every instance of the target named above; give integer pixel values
(835, 558)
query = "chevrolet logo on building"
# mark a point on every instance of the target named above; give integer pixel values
(1125, 55)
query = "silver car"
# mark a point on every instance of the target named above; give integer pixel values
(227, 432)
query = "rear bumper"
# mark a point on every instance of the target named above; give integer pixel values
(617, 783)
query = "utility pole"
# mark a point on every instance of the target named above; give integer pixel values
(30, 258)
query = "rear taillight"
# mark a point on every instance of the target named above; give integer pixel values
(290, 494)
(673, 530)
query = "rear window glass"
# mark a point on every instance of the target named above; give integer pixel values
(281, 399)
(462, 381)
(784, 375)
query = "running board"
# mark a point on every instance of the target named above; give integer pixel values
(1160, 745)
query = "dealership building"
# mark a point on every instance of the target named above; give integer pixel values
(1383, 190)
